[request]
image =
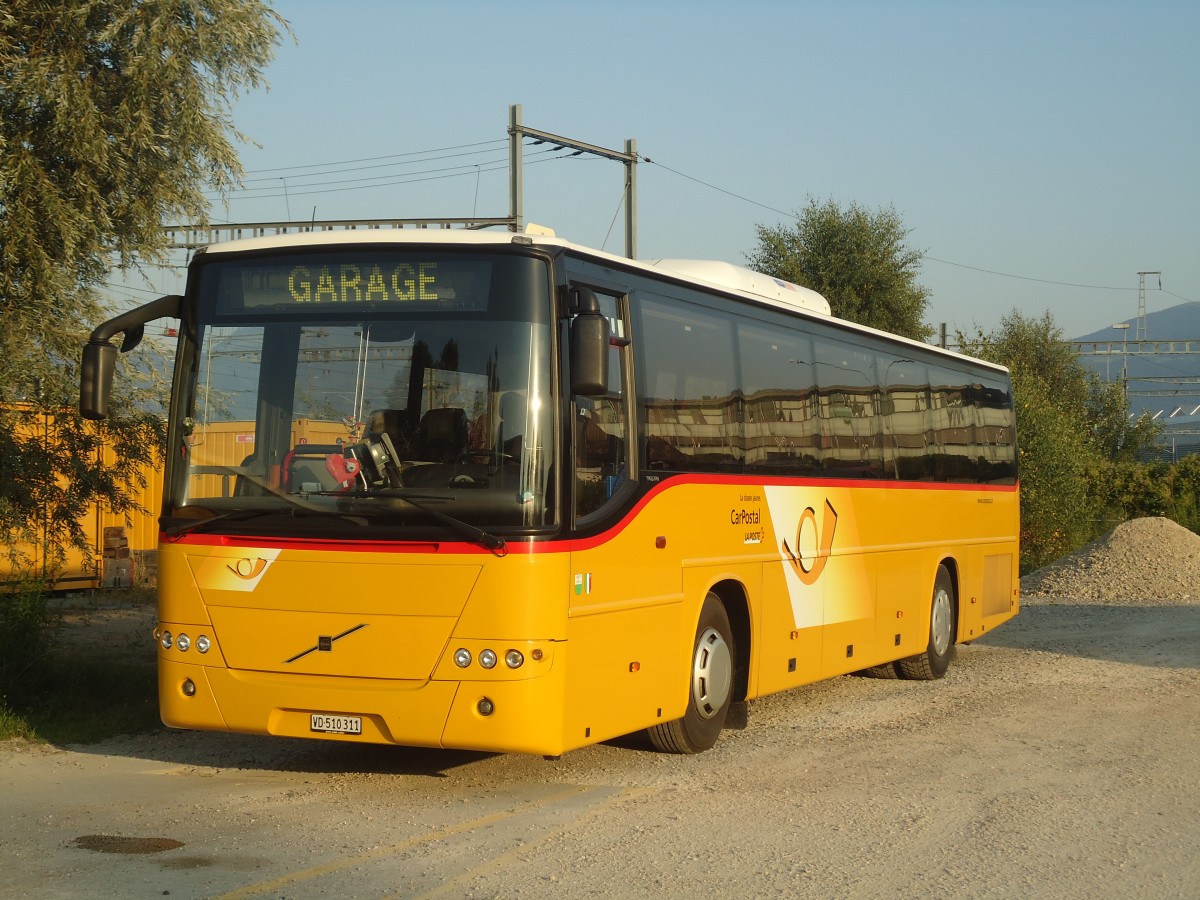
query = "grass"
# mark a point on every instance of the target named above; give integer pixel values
(81, 700)
(70, 695)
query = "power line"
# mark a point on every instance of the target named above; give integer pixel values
(646, 159)
(1094, 287)
(548, 155)
(389, 165)
(353, 184)
(792, 215)
(1177, 297)
(371, 159)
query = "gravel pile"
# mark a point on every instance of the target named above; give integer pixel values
(1142, 560)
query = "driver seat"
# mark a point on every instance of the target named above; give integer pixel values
(442, 435)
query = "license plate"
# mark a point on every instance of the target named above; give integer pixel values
(330, 724)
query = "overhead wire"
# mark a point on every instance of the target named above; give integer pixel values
(646, 159)
(792, 215)
(378, 181)
(1094, 287)
(455, 151)
(371, 159)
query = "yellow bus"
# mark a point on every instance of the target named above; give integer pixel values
(501, 492)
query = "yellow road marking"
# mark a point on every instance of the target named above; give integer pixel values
(497, 861)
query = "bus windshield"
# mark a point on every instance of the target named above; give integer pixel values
(389, 389)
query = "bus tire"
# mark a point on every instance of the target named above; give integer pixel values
(934, 662)
(710, 686)
(887, 670)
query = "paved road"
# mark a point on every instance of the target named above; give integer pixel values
(1058, 759)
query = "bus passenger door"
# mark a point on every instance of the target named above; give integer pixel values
(623, 598)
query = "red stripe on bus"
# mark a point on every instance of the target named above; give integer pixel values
(531, 545)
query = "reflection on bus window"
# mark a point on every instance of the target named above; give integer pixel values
(692, 406)
(600, 425)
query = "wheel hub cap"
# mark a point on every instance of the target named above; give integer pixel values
(712, 673)
(942, 618)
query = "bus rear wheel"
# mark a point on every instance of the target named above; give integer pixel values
(934, 662)
(710, 686)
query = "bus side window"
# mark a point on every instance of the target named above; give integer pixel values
(849, 424)
(600, 424)
(904, 403)
(693, 407)
(781, 432)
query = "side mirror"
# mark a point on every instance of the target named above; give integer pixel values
(100, 357)
(589, 345)
(95, 378)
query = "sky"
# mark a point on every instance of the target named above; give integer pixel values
(1040, 153)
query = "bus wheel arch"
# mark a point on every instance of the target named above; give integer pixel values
(934, 661)
(712, 682)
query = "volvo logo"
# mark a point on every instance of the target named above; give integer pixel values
(325, 643)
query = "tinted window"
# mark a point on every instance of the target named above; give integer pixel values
(849, 424)
(951, 422)
(995, 432)
(904, 406)
(780, 431)
(689, 384)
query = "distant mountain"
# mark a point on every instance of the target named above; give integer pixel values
(1179, 323)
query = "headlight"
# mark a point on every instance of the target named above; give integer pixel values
(514, 659)
(183, 642)
(203, 643)
(462, 658)
(166, 640)
(487, 658)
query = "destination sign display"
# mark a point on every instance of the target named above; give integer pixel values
(359, 280)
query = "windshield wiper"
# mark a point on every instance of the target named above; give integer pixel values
(186, 527)
(493, 542)
(496, 544)
(485, 539)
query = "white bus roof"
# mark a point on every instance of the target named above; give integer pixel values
(712, 273)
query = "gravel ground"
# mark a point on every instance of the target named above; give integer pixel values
(1057, 759)
(1150, 560)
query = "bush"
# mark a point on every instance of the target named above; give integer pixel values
(1123, 491)
(28, 629)
(1057, 513)
(1185, 493)
(1130, 490)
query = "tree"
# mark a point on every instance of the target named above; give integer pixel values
(856, 258)
(114, 116)
(1116, 436)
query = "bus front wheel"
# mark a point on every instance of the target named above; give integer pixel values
(710, 686)
(934, 662)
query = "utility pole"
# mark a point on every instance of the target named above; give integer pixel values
(1123, 328)
(197, 235)
(517, 132)
(1140, 333)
